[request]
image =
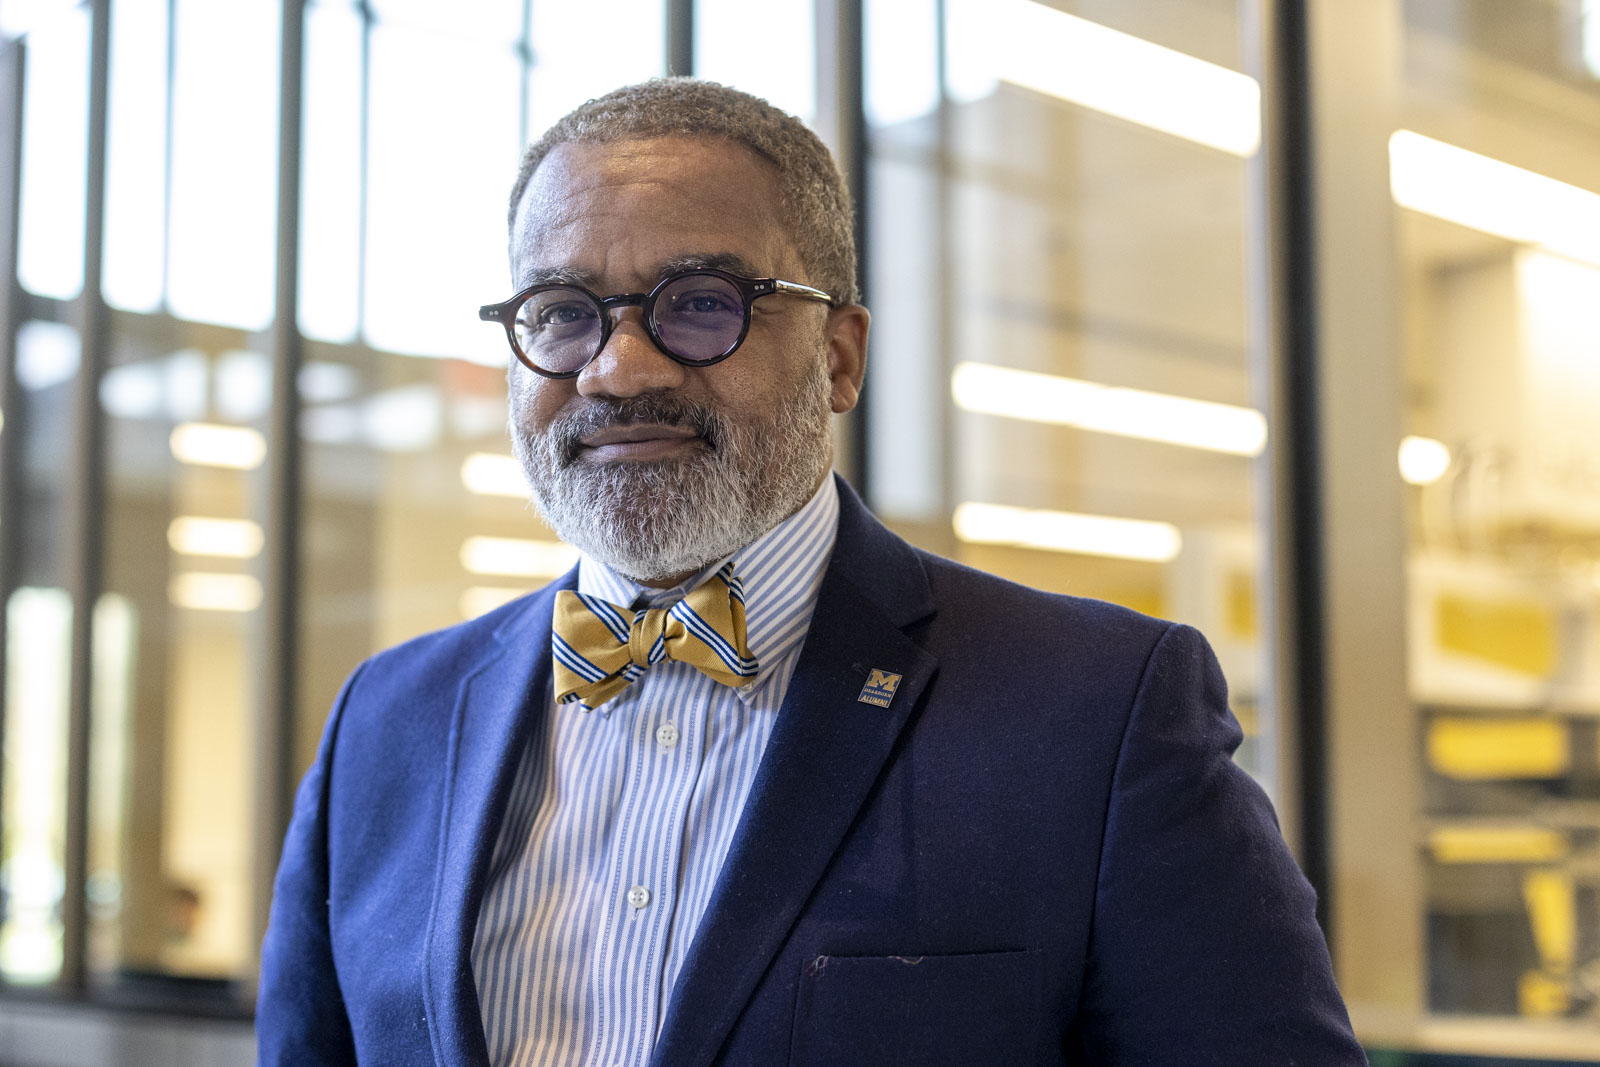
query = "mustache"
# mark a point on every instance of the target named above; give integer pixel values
(597, 414)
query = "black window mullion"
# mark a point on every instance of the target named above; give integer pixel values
(680, 37)
(276, 712)
(84, 535)
(13, 59)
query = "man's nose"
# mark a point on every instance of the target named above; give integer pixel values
(630, 363)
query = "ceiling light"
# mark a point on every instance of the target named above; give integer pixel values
(493, 475)
(210, 445)
(1065, 531)
(215, 592)
(1175, 420)
(1497, 198)
(517, 557)
(231, 538)
(1094, 66)
(1423, 460)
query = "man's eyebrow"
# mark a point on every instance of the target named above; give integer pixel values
(557, 276)
(731, 262)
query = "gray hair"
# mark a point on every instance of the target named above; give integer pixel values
(812, 199)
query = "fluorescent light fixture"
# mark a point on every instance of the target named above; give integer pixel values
(481, 599)
(493, 475)
(207, 444)
(516, 557)
(1105, 70)
(1175, 420)
(201, 591)
(1423, 460)
(190, 535)
(1485, 194)
(1065, 531)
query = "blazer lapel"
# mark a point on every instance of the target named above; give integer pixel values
(826, 751)
(498, 702)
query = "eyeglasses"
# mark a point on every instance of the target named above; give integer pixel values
(696, 317)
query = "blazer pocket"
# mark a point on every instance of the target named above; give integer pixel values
(928, 1011)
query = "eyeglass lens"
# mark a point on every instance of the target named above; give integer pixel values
(696, 317)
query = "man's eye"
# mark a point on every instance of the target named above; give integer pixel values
(564, 314)
(704, 304)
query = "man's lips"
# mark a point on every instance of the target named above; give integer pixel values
(635, 441)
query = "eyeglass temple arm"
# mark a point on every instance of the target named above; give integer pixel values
(796, 289)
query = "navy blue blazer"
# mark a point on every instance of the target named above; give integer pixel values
(1040, 852)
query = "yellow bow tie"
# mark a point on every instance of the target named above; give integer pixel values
(600, 649)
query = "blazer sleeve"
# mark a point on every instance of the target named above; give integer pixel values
(1205, 947)
(300, 1009)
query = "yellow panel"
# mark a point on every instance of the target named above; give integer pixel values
(1240, 606)
(1496, 844)
(1516, 634)
(1498, 748)
(1552, 903)
(1542, 996)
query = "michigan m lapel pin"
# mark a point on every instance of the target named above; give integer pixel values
(880, 688)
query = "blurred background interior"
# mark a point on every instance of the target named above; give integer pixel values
(1277, 317)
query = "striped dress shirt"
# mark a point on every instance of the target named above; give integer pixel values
(619, 821)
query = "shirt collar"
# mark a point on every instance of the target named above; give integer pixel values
(782, 571)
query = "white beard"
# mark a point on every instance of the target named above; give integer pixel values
(653, 520)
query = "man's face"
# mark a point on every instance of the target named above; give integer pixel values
(655, 468)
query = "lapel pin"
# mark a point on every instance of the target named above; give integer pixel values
(879, 689)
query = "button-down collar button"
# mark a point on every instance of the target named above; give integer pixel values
(667, 735)
(638, 896)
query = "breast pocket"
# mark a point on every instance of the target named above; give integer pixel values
(927, 1011)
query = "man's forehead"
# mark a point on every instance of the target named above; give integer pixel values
(647, 207)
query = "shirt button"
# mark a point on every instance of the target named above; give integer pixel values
(638, 896)
(667, 735)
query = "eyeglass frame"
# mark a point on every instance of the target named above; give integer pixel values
(750, 290)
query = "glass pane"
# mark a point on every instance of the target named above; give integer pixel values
(575, 61)
(1496, 169)
(55, 134)
(223, 237)
(330, 209)
(1079, 272)
(442, 152)
(499, 21)
(902, 79)
(407, 462)
(38, 644)
(735, 44)
(136, 156)
(177, 656)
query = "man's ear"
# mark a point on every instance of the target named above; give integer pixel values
(847, 354)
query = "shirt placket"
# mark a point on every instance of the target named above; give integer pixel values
(664, 751)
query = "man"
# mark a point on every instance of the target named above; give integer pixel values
(758, 782)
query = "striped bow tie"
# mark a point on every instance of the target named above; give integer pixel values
(600, 649)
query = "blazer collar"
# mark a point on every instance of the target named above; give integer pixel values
(826, 750)
(499, 701)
